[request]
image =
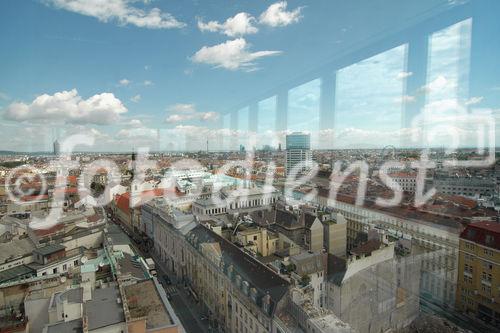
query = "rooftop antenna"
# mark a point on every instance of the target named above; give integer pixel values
(207, 146)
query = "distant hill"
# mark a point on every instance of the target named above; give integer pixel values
(8, 152)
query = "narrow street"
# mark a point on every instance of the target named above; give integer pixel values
(189, 313)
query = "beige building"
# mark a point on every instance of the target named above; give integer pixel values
(258, 240)
(239, 292)
(335, 234)
(374, 290)
(313, 232)
(478, 282)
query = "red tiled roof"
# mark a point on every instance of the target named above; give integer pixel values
(28, 198)
(49, 231)
(122, 201)
(66, 190)
(72, 180)
(367, 247)
(484, 233)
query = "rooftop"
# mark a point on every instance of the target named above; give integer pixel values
(49, 249)
(15, 272)
(251, 270)
(104, 310)
(73, 326)
(144, 300)
(484, 233)
(15, 249)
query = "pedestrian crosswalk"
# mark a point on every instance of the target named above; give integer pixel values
(172, 290)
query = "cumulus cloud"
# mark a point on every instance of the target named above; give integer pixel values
(124, 82)
(232, 55)
(136, 133)
(403, 75)
(182, 108)
(147, 83)
(184, 112)
(69, 107)
(135, 123)
(439, 84)
(405, 99)
(277, 15)
(239, 25)
(474, 100)
(120, 11)
(136, 98)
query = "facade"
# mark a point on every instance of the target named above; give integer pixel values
(406, 180)
(464, 186)
(478, 281)
(438, 242)
(258, 241)
(235, 200)
(335, 235)
(240, 293)
(298, 150)
(373, 290)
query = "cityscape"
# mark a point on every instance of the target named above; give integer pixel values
(240, 166)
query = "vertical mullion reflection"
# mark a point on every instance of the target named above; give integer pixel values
(266, 127)
(304, 110)
(226, 132)
(447, 86)
(243, 129)
(369, 98)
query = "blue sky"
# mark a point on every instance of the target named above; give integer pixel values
(132, 71)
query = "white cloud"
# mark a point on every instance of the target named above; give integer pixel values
(184, 112)
(405, 99)
(120, 11)
(124, 82)
(239, 25)
(474, 100)
(147, 67)
(439, 84)
(148, 83)
(135, 123)
(135, 133)
(136, 98)
(403, 75)
(69, 107)
(182, 108)
(232, 55)
(277, 15)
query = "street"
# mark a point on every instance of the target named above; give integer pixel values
(185, 307)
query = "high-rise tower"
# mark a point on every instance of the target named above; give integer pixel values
(298, 150)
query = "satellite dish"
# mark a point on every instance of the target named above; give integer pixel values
(83, 260)
(63, 279)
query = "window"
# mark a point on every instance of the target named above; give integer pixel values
(266, 123)
(369, 97)
(303, 110)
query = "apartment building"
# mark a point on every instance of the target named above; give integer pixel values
(373, 290)
(437, 237)
(240, 293)
(478, 281)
